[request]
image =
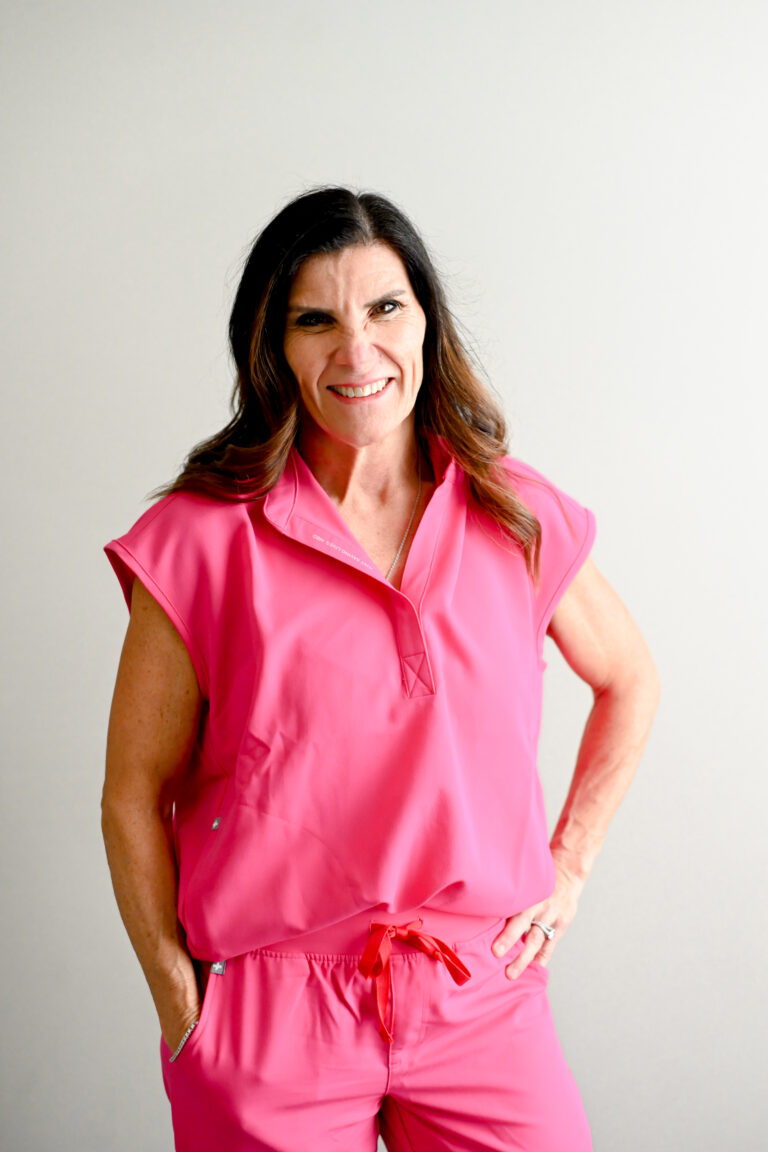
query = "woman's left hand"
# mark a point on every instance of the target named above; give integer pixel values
(556, 912)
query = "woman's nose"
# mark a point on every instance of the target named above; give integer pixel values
(354, 348)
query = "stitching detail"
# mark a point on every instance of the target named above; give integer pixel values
(333, 957)
(417, 673)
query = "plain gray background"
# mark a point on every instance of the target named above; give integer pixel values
(592, 179)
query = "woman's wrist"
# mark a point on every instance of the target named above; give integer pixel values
(176, 996)
(573, 866)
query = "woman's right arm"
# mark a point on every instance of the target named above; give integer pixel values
(153, 726)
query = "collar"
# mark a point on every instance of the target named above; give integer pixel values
(299, 507)
(299, 496)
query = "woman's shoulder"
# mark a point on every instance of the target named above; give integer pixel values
(549, 503)
(183, 532)
(190, 512)
(527, 481)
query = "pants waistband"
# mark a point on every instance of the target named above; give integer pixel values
(375, 964)
(350, 937)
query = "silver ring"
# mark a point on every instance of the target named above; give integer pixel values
(547, 929)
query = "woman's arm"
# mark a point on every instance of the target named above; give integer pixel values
(152, 729)
(602, 644)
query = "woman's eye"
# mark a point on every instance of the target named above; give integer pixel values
(312, 319)
(387, 307)
(320, 319)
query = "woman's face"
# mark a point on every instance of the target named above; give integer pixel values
(353, 339)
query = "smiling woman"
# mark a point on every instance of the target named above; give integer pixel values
(356, 351)
(356, 355)
(321, 796)
(250, 454)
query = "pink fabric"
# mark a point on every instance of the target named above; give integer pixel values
(375, 962)
(288, 1055)
(364, 748)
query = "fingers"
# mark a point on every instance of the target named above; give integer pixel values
(514, 928)
(532, 941)
(536, 945)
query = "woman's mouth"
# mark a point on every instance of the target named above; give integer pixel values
(350, 392)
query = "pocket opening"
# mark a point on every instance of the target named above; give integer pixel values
(209, 977)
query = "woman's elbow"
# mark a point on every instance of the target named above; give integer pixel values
(636, 679)
(130, 802)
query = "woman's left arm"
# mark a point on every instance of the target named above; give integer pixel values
(602, 644)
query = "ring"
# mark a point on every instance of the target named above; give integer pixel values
(547, 929)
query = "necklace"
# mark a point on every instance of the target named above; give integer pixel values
(410, 522)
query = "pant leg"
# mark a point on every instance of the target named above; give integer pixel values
(286, 1057)
(485, 1073)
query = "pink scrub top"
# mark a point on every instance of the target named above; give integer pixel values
(362, 747)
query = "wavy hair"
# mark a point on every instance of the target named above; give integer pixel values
(247, 457)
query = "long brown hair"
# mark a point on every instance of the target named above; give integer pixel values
(247, 457)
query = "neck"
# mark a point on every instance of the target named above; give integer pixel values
(372, 473)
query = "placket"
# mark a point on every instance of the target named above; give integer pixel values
(430, 572)
(300, 509)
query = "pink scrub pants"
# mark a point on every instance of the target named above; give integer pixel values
(299, 1049)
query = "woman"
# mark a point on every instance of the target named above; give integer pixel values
(322, 810)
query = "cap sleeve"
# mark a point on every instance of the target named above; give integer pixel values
(567, 535)
(159, 550)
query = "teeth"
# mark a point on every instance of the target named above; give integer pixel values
(367, 390)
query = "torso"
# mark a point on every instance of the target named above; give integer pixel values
(382, 748)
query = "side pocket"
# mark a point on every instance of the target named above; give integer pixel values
(196, 836)
(540, 969)
(212, 977)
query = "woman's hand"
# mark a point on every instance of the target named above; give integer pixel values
(556, 912)
(178, 1002)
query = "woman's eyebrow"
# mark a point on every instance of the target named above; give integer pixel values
(329, 311)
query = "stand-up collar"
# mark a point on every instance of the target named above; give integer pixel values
(299, 497)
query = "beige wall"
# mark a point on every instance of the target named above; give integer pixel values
(592, 177)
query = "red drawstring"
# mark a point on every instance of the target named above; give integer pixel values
(375, 961)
